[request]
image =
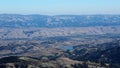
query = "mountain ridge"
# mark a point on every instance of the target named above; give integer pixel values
(18, 20)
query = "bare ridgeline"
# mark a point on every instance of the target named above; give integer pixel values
(61, 41)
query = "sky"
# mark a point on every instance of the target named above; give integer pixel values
(58, 7)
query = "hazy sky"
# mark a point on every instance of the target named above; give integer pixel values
(54, 7)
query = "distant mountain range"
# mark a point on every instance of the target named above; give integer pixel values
(60, 41)
(16, 20)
